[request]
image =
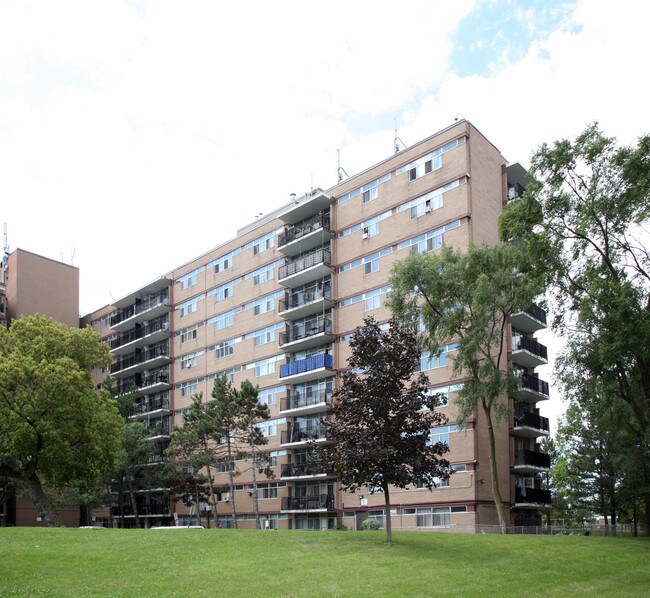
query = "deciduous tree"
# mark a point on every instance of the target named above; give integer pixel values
(467, 298)
(382, 416)
(583, 224)
(55, 427)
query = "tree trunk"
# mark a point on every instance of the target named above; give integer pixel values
(42, 502)
(134, 504)
(256, 503)
(213, 498)
(496, 490)
(387, 518)
(231, 480)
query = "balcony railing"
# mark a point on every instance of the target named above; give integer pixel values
(533, 383)
(129, 384)
(537, 312)
(132, 310)
(305, 503)
(304, 228)
(305, 469)
(297, 434)
(320, 256)
(533, 458)
(526, 343)
(161, 429)
(305, 365)
(531, 420)
(532, 495)
(298, 400)
(133, 335)
(300, 298)
(296, 333)
(149, 406)
(136, 358)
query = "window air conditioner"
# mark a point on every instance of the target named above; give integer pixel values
(364, 236)
(427, 209)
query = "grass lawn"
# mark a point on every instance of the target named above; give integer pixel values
(260, 564)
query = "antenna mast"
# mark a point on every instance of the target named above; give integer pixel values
(340, 171)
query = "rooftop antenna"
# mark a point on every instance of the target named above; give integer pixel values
(397, 140)
(72, 252)
(340, 171)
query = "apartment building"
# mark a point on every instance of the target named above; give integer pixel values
(276, 305)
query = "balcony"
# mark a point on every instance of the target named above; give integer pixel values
(149, 309)
(148, 408)
(527, 461)
(306, 470)
(306, 235)
(532, 497)
(319, 502)
(308, 205)
(530, 320)
(301, 437)
(531, 389)
(303, 404)
(159, 431)
(307, 302)
(307, 335)
(151, 358)
(154, 382)
(308, 268)
(530, 425)
(306, 370)
(527, 352)
(144, 335)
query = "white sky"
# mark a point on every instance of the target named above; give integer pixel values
(137, 135)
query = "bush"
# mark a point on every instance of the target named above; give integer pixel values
(370, 524)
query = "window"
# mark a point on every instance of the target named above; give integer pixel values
(372, 298)
(441, 434)
(224, 262)
(428, 241)
(264, 273)
(189, 360)
(270, 426)
(264, 304)
(427, 203)
(190, 307)
(228, 374)
(368, 259)
(427, 163)
(432, 516)
(369, 190)
(224, 291)
(264, 335)
(225, 319)
(189, 280)
(262, 243)
(189, 388)
(439, 360)
(265, 366)
(269, 396)
(370, 227)
(270, 491)
(190, 333)
(225, 348)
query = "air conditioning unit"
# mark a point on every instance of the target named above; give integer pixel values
(225, 497)
(364, 236)
(512, 193)
(188, 364)
(427, 209)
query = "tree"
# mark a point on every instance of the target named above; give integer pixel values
(195, 443)
(236, 412)
(467, 298)
(55, 428)
(581, 224)
(379, 429)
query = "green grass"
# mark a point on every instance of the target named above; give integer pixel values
(75, 562)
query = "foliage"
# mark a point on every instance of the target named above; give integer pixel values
(467, 298)
(588, 204)
(116, 562)
(370, 524)
(55, 428)
(379, 430)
